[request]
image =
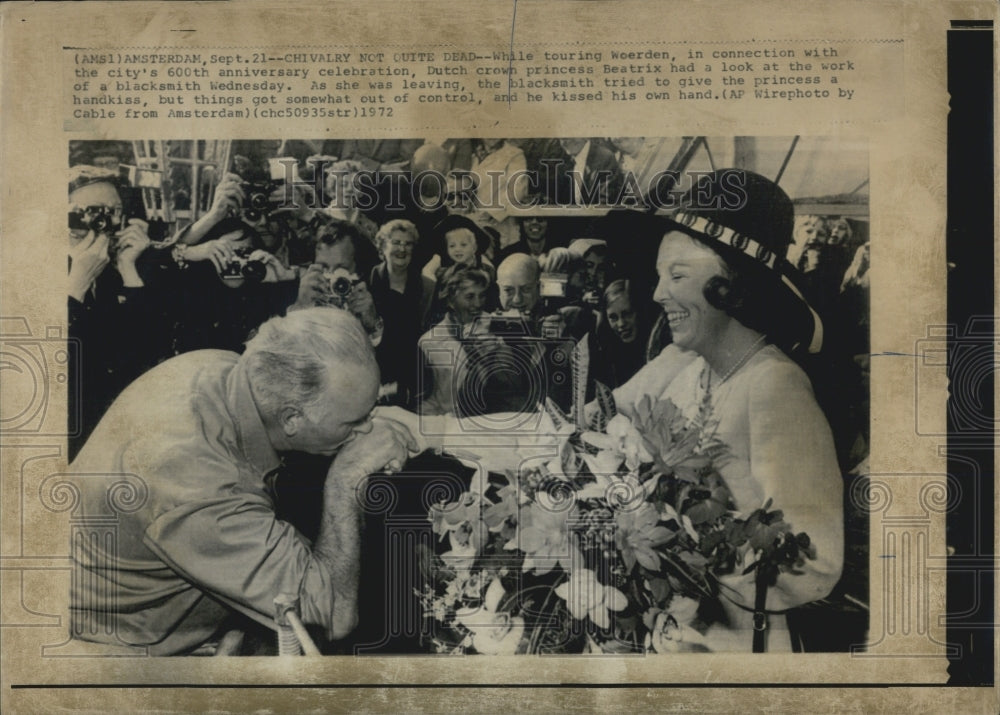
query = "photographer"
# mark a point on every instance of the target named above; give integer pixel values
(519, 281)
(333, 281)
(284, 229)
(228, 285)
(117, 318)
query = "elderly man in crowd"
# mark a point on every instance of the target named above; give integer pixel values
(198, 438)
(519, 282)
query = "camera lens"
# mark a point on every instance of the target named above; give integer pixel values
(252, 215)
(100, 224)
(253, 271)
(342, 286)
(258, 201)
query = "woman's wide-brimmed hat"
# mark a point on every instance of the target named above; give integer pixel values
(453, 222)
(748, 220)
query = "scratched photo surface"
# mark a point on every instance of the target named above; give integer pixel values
(660, 302)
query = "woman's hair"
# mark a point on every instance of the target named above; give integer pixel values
(289, 358)
(400, 225)
(454, 276)
(620, 288)
(561, 260)
(749, 294)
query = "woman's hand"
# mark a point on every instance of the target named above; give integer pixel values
(276, 270)
(221, 252)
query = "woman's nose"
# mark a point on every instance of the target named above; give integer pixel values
(662, 293)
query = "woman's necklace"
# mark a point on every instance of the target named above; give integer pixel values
(709, 423)
(749, 353)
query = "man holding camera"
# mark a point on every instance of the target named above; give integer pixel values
(114, 316)
(519, 279)
(200, 541)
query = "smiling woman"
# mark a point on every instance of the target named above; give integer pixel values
(731, 308)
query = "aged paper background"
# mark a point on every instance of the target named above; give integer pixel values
(902, 116)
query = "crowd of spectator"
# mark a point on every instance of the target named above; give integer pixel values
(464, 302)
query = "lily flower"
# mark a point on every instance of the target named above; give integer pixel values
(544, 537)
(672, 631)
(637, 534)
(586, 597)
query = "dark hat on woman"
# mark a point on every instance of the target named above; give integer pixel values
(748, 220)
(453, 222)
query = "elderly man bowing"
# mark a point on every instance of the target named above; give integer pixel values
(200, 435)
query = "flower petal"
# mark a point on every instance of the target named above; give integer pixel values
(615, 599)
(600, 618)
(647, 558)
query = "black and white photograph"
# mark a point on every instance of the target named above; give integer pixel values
(486, 396)
(548, 356)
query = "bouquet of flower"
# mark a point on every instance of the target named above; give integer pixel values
(616, 545)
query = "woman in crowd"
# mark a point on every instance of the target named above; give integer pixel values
(403, 298)
(735, 317)
(502, 182)
(442, 353)
(622, 334)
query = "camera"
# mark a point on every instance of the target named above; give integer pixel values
(99, 219)
(244, 268)
(340, 283)
(553, 285)
(257, 204)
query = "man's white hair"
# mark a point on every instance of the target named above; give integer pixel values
(289, 359)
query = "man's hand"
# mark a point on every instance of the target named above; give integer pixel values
(361, 304)
(407, 420)
(88, 258)
(220, 252)
(313, 288)
(386, 447)
(132, 241)
(228, 198)
(552, 326)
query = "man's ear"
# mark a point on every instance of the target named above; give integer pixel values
(290, 419)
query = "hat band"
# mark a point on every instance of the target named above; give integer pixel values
(758, 252)
(728, 237)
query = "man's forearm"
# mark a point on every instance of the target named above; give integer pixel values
(338, 546)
